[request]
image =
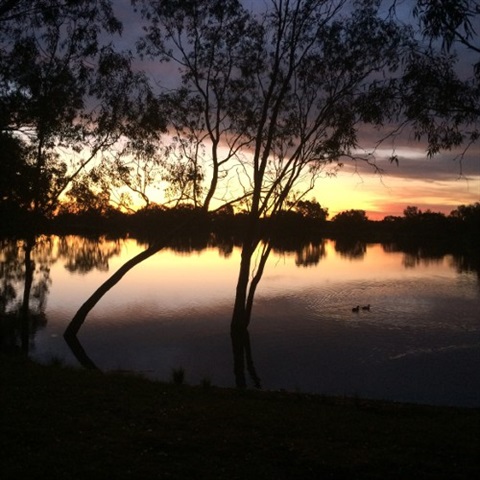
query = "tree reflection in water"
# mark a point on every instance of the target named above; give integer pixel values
(351, 248)
(310, 254)
(24, 284)
(464, 260)
(242, 358)
(468, 263)
(86, 254)
(25, 280)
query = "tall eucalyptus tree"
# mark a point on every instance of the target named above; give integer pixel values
(276, 95)
(289, 85)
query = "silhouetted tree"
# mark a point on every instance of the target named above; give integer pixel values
(468, 216)
(412, 212)
(16, 180)
(213, 43)
(288, 84)
(351, 219)
(276, 97)
(468, 213)
(450, 21)
(311, 209)
(440, 95)
(64, 92)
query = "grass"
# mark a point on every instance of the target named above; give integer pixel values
(57, 423)
(178, 376)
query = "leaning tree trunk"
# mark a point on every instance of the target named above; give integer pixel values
(79, 318)
(79, 352)
(84, 310)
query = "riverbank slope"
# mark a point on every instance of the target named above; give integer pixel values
(64, 423)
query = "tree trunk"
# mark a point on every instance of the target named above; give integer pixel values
(25, 309)
(78, 319)
(81, 315)
(79, 352)
(242, 357)
(239, 316)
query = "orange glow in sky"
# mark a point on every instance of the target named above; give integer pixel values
(440, 184)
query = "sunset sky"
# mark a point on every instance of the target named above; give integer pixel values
(440, 184)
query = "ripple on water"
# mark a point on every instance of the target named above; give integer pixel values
(396, 303)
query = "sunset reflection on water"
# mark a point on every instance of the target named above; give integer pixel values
(420, 341)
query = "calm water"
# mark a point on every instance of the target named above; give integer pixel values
(420, 341)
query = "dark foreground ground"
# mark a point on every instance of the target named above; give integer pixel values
(60, 423)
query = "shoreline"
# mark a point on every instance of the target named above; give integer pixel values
(62, 421)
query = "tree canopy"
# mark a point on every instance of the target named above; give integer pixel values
(66, 94)
(441, 83)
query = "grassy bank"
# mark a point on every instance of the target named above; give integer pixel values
(63, 423)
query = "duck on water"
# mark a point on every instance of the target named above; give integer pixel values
(357, 308)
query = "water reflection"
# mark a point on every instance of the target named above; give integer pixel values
(463, 260)
(409, 319)
(468, 263)
(83, 255)
(25, 280)
(243, 359)
(310, 254)
(351, 248)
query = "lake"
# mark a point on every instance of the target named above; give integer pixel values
(419, 341)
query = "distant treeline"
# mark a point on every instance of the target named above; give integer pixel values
(307, 221)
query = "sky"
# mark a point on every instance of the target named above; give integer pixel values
(439, 184)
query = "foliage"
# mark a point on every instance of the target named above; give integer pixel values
(16, 179)
(351, 218)
(80, 198)
(65, 93)
(468, 219)
(184, 172)
(441, 89)
(448, 20)
(207, 41)
(311, 209)
(468, 213)
(440, 106)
